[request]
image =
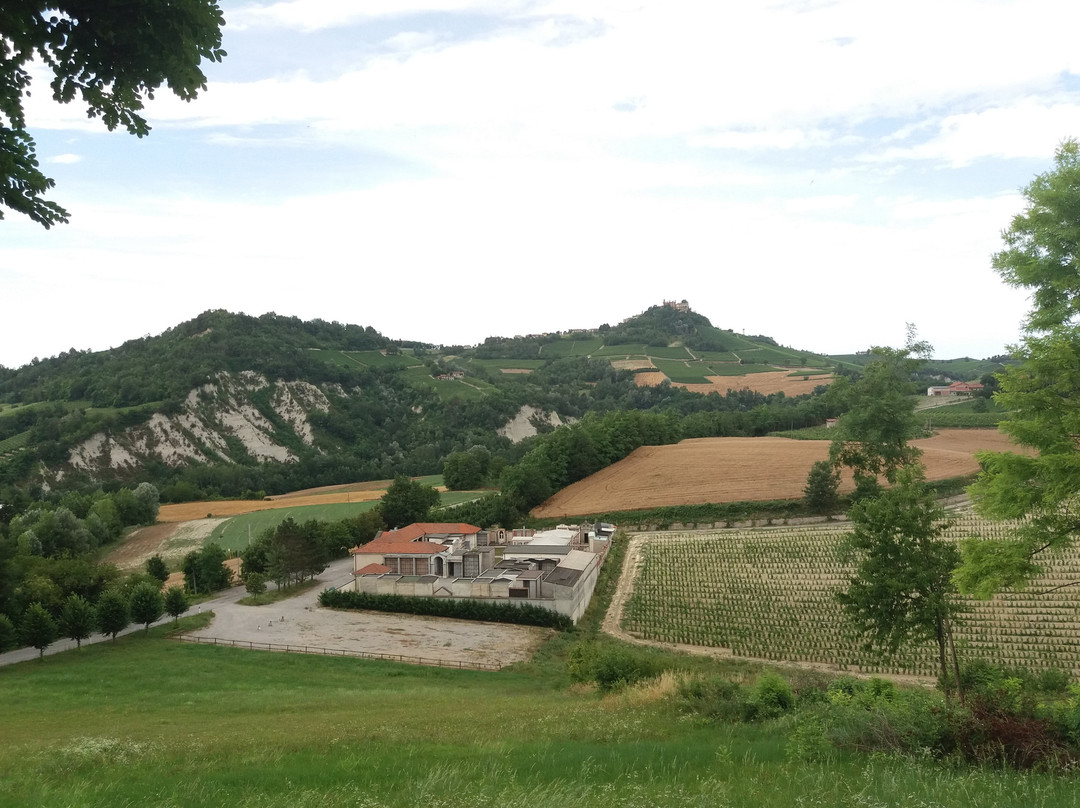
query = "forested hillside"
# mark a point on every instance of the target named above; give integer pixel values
(231, 405)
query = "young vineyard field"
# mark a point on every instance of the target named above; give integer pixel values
(769, 593)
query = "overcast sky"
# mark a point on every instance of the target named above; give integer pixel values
(444, 170)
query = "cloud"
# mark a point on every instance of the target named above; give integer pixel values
(315, 15)
(65, 158)
(1030, 128)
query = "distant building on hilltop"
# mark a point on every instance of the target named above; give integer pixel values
(682, 306)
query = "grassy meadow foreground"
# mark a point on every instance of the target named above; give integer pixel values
(151, 721)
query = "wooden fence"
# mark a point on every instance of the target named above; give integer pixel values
(309, 649)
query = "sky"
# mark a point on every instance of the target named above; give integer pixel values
(823, 172)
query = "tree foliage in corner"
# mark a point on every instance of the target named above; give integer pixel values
(1042, 391)
(111, 56)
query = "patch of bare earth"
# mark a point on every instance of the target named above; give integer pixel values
(706, 470)
(170, 540)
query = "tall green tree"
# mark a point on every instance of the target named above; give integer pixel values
(902, 591)
(872, 437)
(176, 602)
(78, 619)
(822, 490)
(407, 501)
(105, 55)
(255, 584)
(146, 604)
(38, 629)
(156, 568)
(1041, 392)
(113, 614)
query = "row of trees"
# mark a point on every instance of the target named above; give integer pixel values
(79, 618)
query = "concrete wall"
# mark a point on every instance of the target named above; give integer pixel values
(569, 600)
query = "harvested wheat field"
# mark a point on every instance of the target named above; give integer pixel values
(765, 383)
(188, 511)
(704, 470)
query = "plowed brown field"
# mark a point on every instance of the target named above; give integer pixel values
(704, 470)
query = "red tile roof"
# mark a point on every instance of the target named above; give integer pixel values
(414, 532)
(372, 569)
(412, 548)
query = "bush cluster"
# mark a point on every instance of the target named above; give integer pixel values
(520, 613)
(610, 666)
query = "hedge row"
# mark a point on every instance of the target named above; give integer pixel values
(505, 612)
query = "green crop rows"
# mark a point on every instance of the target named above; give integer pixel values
(769, 593)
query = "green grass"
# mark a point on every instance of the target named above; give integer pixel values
(233, 534)
(148, 721)
(469, 388)
(339, 358)
(723, 369)
(643, 350)
(716, 356)
(17, 441)
(513, 364)
(684, 372)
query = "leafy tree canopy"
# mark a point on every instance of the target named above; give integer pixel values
(407, 501)
(872, 437)
(111, 56)
(1042, 391)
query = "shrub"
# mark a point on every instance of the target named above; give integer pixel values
(609, 666)
(715, 698)
(772, 695)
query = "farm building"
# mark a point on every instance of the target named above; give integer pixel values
(554, 569)
(955, 389)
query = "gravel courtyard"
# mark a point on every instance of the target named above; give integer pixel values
(301, 621)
